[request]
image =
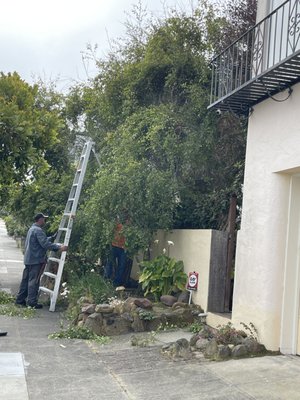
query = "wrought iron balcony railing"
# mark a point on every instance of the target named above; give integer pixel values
(262, 62)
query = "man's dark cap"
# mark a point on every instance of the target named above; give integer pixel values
(39, 215)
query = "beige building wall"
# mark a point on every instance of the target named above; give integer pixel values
(263, 275)
(193, 247)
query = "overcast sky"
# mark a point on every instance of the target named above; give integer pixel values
(40, 38)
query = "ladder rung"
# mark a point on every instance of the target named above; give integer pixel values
(50, 275)
(75, 184)
(71, 199)
(54, 259)
(46, 290)
(63, 229)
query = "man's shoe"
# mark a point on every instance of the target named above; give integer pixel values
(36, 306)
(22, 304)
(3, 333)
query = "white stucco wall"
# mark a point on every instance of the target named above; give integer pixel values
(273, 147)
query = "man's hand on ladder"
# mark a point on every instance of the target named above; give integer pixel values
(63, 248)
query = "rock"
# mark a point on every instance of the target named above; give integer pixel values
(179, 304)
(155, 323)
(88, 309)
(94, 323)
(127, 316)
(194, 339)
(253, 346)
(129, 305)
(82, 317)
(223, 353)
(184, 297)
(239, 351)
(211, 350)
(84, 301)
(143, 303)
(116, 326)
(138, 325)
(104, 308)
(179, 316)
(168, 300)
(178, 349)
(201, 344)
(206, 332)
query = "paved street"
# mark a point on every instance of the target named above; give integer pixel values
(32, 367)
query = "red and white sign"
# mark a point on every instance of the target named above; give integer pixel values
(193, 281)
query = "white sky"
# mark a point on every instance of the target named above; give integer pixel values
(40, 38)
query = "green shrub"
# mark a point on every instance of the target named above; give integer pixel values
(14, 228)
(91, 285)
(161, 276)
(75, 332)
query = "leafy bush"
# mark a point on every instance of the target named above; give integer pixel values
(13, 227)
(91, 285)
(75, 332)
(161, 276)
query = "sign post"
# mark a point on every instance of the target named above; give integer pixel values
(192, 283)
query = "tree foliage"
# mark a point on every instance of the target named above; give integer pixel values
(166, 162)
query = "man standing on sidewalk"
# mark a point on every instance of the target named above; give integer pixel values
(36, 246)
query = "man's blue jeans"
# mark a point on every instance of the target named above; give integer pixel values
(29, 286)
(119, 258)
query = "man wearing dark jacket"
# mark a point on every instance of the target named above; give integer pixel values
(36, 246)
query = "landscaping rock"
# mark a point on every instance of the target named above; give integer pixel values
(177, 350)
(223, 353)
(104, 308)
(179, 304)
(82, 317)
(155, 323)
(116, 326)
(84, 301)
(206, 332)
(201, 344)
(194, 339)
(138, 325)
(94, 323)
(211, 350)
(239, 351)
(88, 309)
(168, 300)
(184, 297)
(253, 346)
(129, 305)
(143, 303)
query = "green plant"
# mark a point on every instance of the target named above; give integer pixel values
(6, 298)
(195, 327)
(146, 315)
(91, 285)
(75, 332)
(162, 276)
(8, 308)
(11, 310)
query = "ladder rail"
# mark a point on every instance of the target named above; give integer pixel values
(66, 224)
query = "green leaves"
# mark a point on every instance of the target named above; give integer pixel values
(161, 276)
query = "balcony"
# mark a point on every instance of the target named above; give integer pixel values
(261, 63)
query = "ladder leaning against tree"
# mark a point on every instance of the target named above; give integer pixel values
(54, 268)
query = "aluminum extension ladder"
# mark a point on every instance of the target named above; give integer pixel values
(52, 274)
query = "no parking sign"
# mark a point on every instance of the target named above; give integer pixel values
(193, 281)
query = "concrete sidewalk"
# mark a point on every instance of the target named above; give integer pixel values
(36, 368)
